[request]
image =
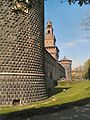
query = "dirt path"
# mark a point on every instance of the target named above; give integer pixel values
(76, 113)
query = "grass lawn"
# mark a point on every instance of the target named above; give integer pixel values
(78, 91)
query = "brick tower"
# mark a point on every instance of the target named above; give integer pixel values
(50, 41)
(66, 63)
(21, 52)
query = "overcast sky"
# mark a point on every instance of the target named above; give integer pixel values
(71, 39)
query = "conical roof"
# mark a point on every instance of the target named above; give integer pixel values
(65, 59)
(49, 23)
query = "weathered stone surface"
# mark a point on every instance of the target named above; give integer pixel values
(21, 54)
(53, 71)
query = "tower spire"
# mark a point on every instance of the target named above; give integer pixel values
(50, 41)
(49, 28)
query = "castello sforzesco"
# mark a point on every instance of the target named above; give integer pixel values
(29, 60)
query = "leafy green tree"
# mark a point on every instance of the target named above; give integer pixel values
(87, 69)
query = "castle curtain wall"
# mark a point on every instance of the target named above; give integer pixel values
(53, 72)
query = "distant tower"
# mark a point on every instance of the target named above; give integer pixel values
(67, 65)
(50, 41)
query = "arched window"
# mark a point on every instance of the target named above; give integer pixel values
(48, 31)
(50, 75)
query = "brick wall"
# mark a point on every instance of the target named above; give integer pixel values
(53, 72)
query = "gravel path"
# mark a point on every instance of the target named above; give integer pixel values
(76, 113)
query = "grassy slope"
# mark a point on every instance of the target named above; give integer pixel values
(78, 91)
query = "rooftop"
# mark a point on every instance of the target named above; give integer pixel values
(65, 59)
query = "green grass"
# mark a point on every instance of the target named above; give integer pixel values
(68, 83)
(76, 92)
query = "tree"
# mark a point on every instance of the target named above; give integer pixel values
(80, 2)
(86, 22)
(85, 26)
(87, 69)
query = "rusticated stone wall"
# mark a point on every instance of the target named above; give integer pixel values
(22, 77)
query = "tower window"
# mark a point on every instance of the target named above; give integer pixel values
(48, 31)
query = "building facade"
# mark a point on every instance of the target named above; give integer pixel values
(54, 71)
(50, 41)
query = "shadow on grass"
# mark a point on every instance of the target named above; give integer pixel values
(25, 114)
(58, 89)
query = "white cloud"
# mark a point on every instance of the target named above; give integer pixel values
(70, 44)
(83, 41)
(74, 43)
